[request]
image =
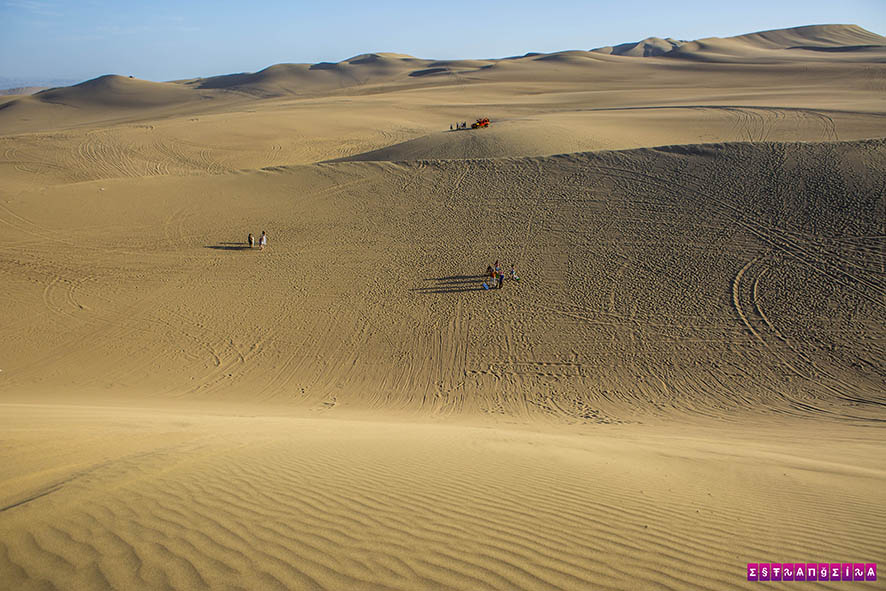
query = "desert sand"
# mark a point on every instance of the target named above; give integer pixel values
(689, 375)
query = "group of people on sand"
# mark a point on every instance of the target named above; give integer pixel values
(262, 240)
(458, 125)
(497, 276)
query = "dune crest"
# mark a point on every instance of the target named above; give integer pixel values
(811, 42)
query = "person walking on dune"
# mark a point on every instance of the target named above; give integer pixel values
(263, 240)
(251, 240)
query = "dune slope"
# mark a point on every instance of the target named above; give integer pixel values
(372, 296)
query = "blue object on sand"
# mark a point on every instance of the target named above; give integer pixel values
(485, 286)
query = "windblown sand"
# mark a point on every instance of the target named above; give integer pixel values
(688, 376)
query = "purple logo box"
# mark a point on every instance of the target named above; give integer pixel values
(812, 571)
(836, 571)
(753, 571)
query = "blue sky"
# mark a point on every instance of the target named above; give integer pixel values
(170, 39)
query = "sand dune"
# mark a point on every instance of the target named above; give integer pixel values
(801, 223)
(688, 376)
(504, 138)
(116, 91)
(541, 107)
(356, 72)
(288, 503)
(652, 46)
(847, 37)
(114, 98)
(560, 133)
(307, 79)
(812, 42)
(104, 99)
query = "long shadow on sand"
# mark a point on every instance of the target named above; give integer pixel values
(453, 284)
(228, 246)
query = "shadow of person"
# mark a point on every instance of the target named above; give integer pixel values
(447, 289)
(453, 284)
(456, 278)
(228, 246)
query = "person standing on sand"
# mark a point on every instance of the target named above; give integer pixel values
(251, 240)
(263, 240)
